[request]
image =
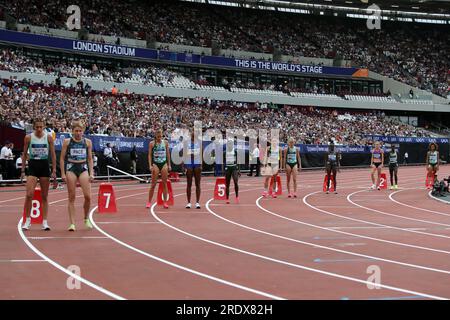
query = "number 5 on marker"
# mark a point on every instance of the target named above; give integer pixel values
(221, 190)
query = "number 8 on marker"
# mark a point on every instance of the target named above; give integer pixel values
(35, 209)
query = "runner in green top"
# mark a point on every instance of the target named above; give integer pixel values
(159, 163)
(39, 146)
(292, 163)
(432, 160)
(393, 167)
(231, 170)
(77, 165)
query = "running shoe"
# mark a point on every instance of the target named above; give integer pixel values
(197, 206)
(165, 205)
(378, 188)
(237, 200)
(395, 186)
(265, 194)
(335, 192)
(188, 206)
(26, 227)
(274, 195)
(392, 188)
(148, 205)
(295, 195)
(72, 227)
(228, 201)
(373, 187)
(88, 223)
(328, 191)
(45, 226)
(289, 195)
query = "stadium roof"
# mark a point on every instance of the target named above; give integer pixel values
(428, 6)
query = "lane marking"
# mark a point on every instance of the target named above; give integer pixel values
(175, 265)
(66, 271)
(391, 196)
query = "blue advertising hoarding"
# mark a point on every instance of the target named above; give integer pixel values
(81, 46)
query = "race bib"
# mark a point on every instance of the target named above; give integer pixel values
(39, 151)
(78, 152)
(292, 157)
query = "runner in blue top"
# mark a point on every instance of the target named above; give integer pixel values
(193, 166)
(40, 146)
(159, 163)
(77, 165)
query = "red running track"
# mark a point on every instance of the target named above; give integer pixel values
(317, 246)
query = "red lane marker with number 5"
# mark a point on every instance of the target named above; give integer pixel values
(219, 190)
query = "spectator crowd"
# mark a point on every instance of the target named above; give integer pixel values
(416, 54)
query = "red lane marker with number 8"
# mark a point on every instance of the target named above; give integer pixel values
(36, 208)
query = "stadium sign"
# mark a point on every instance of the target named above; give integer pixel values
(102, 49)
(395, 139)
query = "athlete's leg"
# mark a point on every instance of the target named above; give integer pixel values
(288, 178)
(164, 177)
(44, 182)
(71, 180)
(31, 185)
(155, 174)
(189, 176)
(86, 188)
(198, 177)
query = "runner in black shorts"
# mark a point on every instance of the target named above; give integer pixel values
(393, 167)
(332, 161)
(39, 145)
(376, 164)
(77, 165)
(231, 170)
(432, 161)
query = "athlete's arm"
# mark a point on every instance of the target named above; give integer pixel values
(382, 158)
(62, 157)
(284, 159)
(51, 145)
(90, 159)
(26, 142)
(169, 167)
(299, 160)
(427, 158)
(150, 155)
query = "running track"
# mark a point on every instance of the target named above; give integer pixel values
(317, 246)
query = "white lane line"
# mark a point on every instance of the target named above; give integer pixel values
(288, 263)
(358, 235)
(128, 222)
(357, 227)
(391, 196)
(66, 271)
(22, 260)
(322, 246)
(394, 215)
(178, 266)
(441, 200)
(46, 238)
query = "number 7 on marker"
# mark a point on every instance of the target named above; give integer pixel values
(108, 197)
